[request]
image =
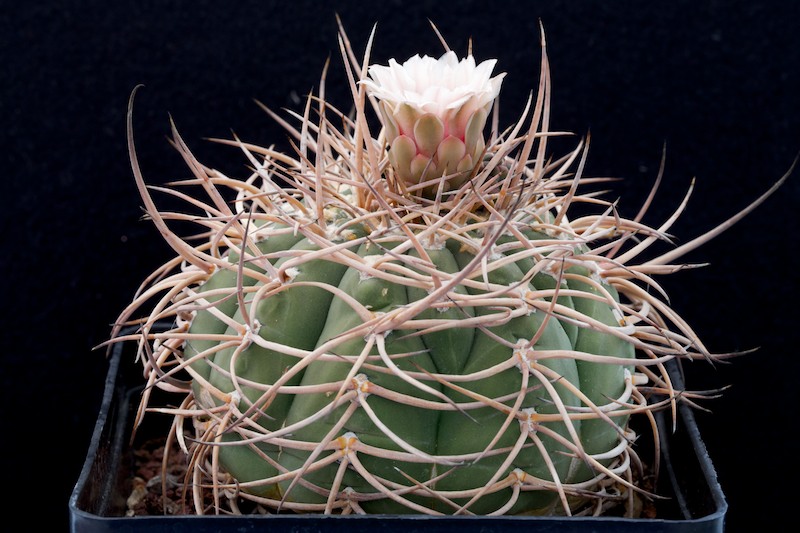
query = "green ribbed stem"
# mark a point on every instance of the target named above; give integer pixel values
(306, 316)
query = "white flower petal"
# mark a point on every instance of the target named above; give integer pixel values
(434, 85)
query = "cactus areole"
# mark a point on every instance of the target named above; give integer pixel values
(408, 320)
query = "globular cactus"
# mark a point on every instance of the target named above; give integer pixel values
(410, 321)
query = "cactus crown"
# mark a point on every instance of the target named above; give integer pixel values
(377, 324)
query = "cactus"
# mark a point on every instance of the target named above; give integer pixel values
(382, 326)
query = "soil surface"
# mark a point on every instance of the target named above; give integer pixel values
(146, 495)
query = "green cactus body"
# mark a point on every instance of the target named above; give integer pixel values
(468, 447)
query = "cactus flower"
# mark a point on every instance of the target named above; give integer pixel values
(434, 112)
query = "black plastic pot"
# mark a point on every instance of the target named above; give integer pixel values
(695, 502)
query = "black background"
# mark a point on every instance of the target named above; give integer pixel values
(716, 82)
